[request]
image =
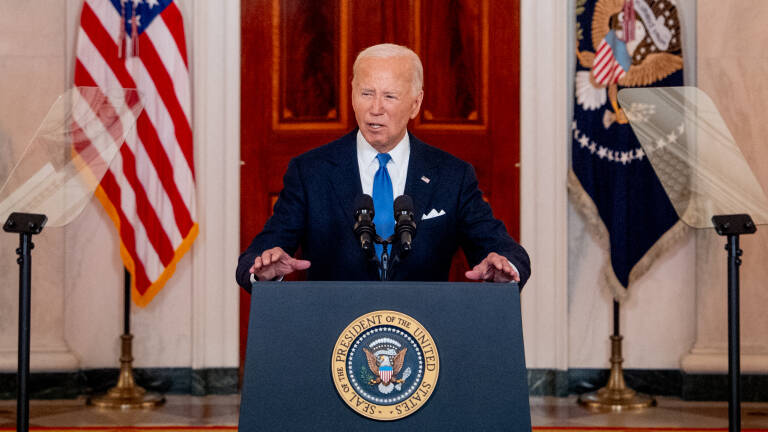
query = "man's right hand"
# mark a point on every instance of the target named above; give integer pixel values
(274, 263)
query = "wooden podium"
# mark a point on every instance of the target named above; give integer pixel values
(293, 333)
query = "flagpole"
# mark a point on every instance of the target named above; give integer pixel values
(126, 301)
(126, 394)
(616, 396)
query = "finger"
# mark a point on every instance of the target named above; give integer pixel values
(271, 256)
(478, 271)
(490, 271)
(498, 264)
(472, 274)
(507, 269)
(257, 264)
(298, 264)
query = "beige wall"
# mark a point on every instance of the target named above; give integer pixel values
(33, 67)
(732, 67)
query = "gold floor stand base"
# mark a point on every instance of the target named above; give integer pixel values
(616, 400)
(137, 398)
(126, 394)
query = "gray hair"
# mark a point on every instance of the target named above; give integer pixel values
(389, 50)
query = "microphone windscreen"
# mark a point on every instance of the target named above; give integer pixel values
(403, 203)
(364, 202)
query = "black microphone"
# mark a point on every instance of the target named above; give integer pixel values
(364, 228)
(405, 228)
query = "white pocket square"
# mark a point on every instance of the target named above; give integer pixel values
(432, 214)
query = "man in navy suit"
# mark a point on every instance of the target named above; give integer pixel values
(315, 209)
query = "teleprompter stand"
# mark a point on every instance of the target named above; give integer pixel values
(708, 181)
(55, 179)
(732, 226)
(26, 225)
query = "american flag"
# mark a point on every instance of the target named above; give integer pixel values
(149, 189)
(606, 69)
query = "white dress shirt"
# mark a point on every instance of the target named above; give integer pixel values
(397, 165)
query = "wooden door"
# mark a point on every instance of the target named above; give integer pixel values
(297, 60)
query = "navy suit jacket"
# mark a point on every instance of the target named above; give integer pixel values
(315, 210)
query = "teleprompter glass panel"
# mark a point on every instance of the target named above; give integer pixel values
(70, 153)
(694, 154)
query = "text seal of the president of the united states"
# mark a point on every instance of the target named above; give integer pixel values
(385, 365)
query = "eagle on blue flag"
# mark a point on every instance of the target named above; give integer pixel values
(622, 43)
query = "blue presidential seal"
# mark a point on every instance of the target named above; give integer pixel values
(385, 365)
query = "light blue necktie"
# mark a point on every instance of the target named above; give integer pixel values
(382, 201)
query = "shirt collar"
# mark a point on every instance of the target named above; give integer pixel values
(367, 154)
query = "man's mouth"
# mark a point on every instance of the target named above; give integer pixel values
(375, 126)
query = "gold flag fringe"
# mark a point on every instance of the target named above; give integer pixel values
(594, 224)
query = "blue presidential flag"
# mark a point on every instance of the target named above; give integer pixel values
(622, 43)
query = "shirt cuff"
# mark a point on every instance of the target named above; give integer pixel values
(513, 268)
(254, 279)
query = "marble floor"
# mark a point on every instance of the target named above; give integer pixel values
(223, 411)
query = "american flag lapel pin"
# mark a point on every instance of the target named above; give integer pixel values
(425, 179)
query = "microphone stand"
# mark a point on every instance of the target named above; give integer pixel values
(385, 263)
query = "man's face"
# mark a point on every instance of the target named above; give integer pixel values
(384, 101)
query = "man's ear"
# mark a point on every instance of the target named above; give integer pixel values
(417, 104)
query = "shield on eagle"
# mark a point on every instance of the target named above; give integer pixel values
(383, 367)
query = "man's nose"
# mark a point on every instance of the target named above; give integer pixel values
(377, 107)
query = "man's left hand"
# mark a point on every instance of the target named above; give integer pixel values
(495, 268)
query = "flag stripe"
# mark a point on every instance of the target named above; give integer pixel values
(164, 86)
(127, 235)
(144, 208)
(173, 62)
(163, 124)
(172, 18)
(162, 164)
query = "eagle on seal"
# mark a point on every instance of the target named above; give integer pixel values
(627, 57)
(384, 369)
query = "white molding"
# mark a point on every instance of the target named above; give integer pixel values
(214, 28)
(544, 164)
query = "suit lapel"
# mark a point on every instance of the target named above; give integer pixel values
(422, 174)
(344, 174)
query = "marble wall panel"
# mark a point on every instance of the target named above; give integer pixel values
(731, 66)
(32, 75)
